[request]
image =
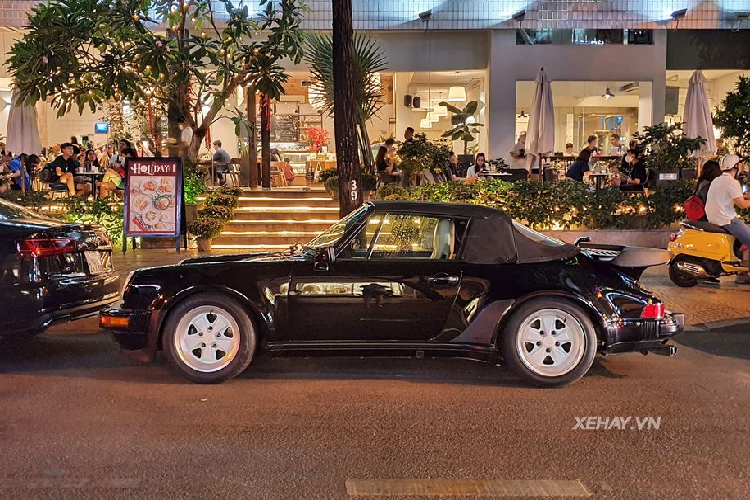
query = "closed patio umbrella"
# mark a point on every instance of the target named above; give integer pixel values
(540, 136)
(698, 122)
(23, 131)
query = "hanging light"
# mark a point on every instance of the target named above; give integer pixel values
(433, 117)
(425, 123)
(608, 94)
(522, 115)
(440, 111)
(456, 94)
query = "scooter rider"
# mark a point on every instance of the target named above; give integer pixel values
(724, 194)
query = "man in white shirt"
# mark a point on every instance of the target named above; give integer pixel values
(724, 194)
(186, 135)
(615, 149)
(518, 153)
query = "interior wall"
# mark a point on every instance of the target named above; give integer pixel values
(510, 63)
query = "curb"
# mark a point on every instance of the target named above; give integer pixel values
(718, 325)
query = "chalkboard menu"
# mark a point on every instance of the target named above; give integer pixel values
(284, 128)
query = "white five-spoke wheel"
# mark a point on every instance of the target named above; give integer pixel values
(549, 342)
(209, 338)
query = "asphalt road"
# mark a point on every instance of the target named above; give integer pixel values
(77, 421)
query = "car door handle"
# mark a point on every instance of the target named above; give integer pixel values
(443, 279)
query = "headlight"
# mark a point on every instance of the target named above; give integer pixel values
(125, 286)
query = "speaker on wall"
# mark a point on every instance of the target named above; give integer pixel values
(416, 102)
(407, 101)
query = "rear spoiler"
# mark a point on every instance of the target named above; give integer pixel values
(630, 260)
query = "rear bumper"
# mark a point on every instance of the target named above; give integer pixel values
(647, 335)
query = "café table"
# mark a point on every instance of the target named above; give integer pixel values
(94, 176)
(598, 179)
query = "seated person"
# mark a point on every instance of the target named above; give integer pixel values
(633, 177)
(15, 172)
(479, 166)
(386, 169)
(580, 168)
(454, 177)
(62, 170)
(222, 162)
(116, 178)
(569, 150)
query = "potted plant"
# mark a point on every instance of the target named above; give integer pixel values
(667, 150)
(464, 126)
(416, 155)
(332, 186)
(205, 229)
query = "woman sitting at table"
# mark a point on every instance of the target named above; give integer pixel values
(115, 179)
(580, 168)
(91, 162)
(386, 168)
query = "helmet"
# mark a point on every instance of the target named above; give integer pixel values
(729, 162)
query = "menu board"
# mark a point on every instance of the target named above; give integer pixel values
(284, 128)
(153, 197)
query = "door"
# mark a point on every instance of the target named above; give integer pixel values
(395, 279)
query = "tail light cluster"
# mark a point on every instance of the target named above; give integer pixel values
(46, 247)
(653, 311)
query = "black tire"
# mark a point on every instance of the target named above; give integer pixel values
(680, 278)
(244, 352)
(509, 339)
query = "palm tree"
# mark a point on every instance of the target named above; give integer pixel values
(368, 60)
(344, 108)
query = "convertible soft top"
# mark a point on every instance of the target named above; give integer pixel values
(492, 237)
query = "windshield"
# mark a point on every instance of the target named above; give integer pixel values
(537, 237)
(330, 236)
(9, 211)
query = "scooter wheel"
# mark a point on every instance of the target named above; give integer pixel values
(680, 278)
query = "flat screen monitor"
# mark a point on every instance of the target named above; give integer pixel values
(101, 127)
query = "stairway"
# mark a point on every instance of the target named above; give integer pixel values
(277, 219)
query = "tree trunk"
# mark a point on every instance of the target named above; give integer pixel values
(344, 108)
(364, 144)
(199, 136)
(265, 140)
(252, 147)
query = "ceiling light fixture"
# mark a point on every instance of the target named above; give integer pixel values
(425, 123)
(608, 94)
(522, 115)
(456, 94)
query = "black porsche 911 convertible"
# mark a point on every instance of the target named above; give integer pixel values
(396, 279)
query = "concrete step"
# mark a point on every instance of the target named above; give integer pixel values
(270, 225)
(274, 240)
(286, 193)
(286, 213)
(273, 202)
(243, 247)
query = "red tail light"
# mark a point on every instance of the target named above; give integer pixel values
(653, 311)
(672, 237)
(46, 247)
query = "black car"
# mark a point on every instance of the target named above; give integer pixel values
(51, 271)
(401, 278)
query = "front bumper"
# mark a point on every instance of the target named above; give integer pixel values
(131, 328)
(646, 335)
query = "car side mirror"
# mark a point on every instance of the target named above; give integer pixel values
(324, 258)
(584, 239)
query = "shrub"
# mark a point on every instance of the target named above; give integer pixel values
(562, 205)
(108, 215)
(326, 174)
(332, 184)
(219, 212)
(205, 227)
(221, 199)
(392, 190)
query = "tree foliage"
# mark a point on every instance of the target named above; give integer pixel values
(369, 59)
(666, 147)
(733, 117)
(181, 55)
(464, 124)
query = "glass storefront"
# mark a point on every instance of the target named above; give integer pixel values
(585, 108)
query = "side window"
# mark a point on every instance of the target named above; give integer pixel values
(402, 236)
